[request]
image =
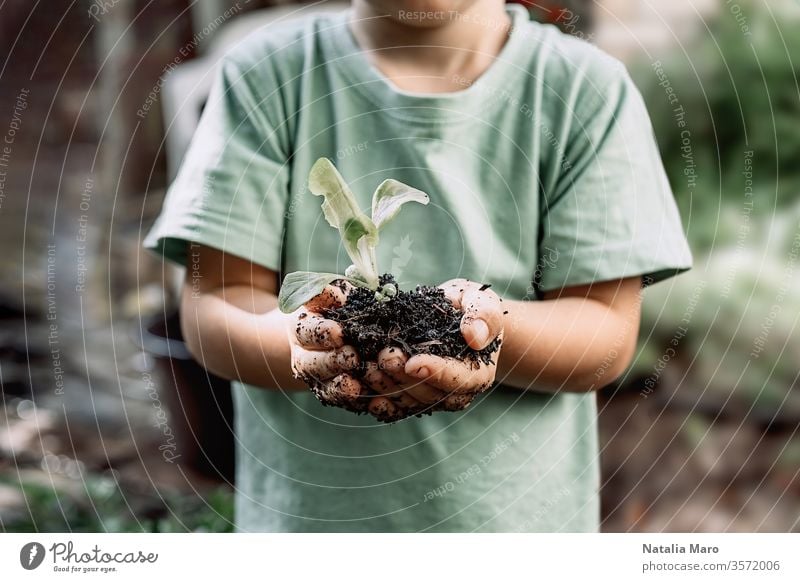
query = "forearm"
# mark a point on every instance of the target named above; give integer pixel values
(570, 344)
(238, 333)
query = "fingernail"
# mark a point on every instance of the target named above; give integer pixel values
(480, 331)
(423, 372)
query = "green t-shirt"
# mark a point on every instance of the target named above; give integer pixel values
(542, 174)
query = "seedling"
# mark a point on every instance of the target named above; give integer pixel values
(377, 315)
(359, 234)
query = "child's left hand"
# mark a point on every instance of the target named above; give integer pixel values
(425, 382)
(481, 324)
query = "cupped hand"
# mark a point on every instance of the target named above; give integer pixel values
(481, 325)
(321, 359)
(319, 355)
(409, 395)
(424, 382)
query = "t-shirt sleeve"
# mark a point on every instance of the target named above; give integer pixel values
(231, 190)
(609, 213)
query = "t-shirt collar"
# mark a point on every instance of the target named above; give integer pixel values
(350, 59)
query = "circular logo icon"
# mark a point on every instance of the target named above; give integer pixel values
(31, 555)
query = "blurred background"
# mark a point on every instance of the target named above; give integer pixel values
(106, 424)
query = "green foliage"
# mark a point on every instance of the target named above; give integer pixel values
(739, 93)
(738, 309)
(211, 514)
(99, 505)
(301, 286)
(389, 197)
(358, 231)
(736, 93)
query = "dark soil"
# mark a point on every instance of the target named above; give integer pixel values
(422, 321)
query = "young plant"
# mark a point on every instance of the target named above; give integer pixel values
(359, 234)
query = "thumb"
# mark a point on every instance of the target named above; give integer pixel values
(483, 318)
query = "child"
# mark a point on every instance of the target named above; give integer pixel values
(545, 182)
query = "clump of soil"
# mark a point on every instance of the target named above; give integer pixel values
(422, 321)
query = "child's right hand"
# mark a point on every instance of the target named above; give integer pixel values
(319, 356)
(321, 359)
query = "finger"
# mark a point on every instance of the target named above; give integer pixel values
(482, 321)
(425, 393)
(457, 401)
(385, 385)
(454, 290)
(450, 374)
(383, 409)
(332, 296)
(322, 365)
(315, 332)
(380, 382)
(343, 391)
(393, 361)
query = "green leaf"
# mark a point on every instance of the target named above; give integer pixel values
(301, 286)
(358, 232)
(389, 197)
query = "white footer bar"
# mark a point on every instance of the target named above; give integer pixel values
(407, 558)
